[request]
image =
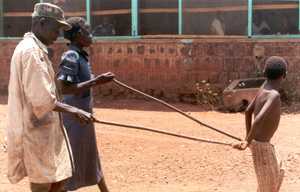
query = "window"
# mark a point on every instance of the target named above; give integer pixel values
(278, 17)
(72, 8)
(215, 17)
(269, 19)
(111, 18)
(16, 17)
(158, 17)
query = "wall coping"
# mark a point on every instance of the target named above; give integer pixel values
(172, 38)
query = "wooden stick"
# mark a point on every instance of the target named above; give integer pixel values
(175, 109)
(160, 132)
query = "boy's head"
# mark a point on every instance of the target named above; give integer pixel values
(80, 31)
(275, 68)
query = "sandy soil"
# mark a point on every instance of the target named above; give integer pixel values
(138, 161)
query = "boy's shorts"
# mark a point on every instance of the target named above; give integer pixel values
(268, 167)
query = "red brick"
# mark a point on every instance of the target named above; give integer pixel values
(170, 65)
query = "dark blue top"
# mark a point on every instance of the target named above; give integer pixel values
(75, 68)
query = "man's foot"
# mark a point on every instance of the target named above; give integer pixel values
(102, 186)
(4, 147)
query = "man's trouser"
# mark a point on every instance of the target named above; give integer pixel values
(35, 187)
(46, 187)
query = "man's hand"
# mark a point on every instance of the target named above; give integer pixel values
(105, 78)
(242, 145)
(3, 144)
(84, 117)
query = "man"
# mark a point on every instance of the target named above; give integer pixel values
(107, 28)
(260, 26)
(217, 26)
(266, 110)
(37, 142)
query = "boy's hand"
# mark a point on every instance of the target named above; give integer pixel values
(105, 78)
(242, 145)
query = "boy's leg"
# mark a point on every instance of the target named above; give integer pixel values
(36, 187)
(281, 173)
(102, 185)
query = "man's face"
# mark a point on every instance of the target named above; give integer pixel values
(50, 30)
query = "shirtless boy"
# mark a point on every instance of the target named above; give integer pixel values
(266, 110)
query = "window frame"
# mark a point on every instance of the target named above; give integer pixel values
(135, 24)
(281, 36)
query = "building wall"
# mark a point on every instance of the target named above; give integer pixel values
(171, 67)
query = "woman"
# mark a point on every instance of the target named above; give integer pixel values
(75, 81)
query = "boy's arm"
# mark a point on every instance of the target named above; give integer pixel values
(248, 116)
(272, 101)
(242, 145)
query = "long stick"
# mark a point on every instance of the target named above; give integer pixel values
(175, 109)
(160, 132)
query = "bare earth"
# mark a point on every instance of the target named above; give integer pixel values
(139, 161)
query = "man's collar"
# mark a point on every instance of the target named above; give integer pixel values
(38, 42)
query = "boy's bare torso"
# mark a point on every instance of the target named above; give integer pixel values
(269, 118)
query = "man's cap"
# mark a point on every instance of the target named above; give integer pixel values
(51, 11)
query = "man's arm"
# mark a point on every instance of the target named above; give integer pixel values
(69, 88)
(80, 114)
(272, 102)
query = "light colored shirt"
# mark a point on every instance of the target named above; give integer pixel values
(37, 142)
(217, 27)
(259, 30)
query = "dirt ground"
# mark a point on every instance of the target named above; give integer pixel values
(135, 161)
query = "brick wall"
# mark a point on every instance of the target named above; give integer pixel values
(6, 51)
(171, 67)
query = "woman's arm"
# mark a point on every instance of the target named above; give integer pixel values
(76, 88)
